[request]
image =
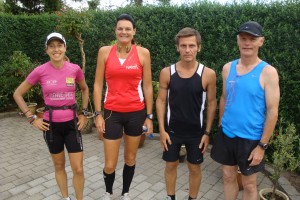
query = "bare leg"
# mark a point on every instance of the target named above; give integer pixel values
(250, 187)
(231, 187)
(60, 173)
(195, 178)
(111, 150)
(131, 147)
(171, 176)
(76, 161)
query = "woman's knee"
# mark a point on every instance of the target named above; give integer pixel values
(109, 168)
(59, 165)
(130, 159)
(78, 171)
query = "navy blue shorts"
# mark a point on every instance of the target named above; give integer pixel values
(64, 134)
(117, 123)
(235, 151)
(194, 154)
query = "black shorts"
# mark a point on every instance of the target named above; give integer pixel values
(235, 151)
(194, 154)
(64, 134)
(117, 123)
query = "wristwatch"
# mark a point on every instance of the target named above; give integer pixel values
(263, 145)
(150, 116)
(96, 113)
(207, 133)
(85, 112)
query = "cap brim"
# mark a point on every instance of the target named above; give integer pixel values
(55, 38)
(249, 32)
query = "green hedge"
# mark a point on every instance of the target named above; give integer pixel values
(156, 29)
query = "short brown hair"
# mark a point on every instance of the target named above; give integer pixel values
(187, 32)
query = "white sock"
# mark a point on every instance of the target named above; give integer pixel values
(68, 198)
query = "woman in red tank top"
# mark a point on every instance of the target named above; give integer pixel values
(128, 101)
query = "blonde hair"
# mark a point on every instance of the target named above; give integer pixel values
(66, 58)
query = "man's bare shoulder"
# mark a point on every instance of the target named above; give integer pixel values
(226, 67)
(270, 73)
(209, 71)
(269, 69)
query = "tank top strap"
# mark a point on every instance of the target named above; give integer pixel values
(200, 69)
(258, 69)
(232, 71)
(172, 69)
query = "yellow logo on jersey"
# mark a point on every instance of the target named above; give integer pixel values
(70, 81)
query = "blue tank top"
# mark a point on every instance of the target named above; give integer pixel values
(245, 106)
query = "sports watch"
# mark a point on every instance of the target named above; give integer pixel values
(96, 113)
(85, 112)
(149, 116)
(263, 145)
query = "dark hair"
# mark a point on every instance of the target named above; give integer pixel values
(187, 32)
(126, 16)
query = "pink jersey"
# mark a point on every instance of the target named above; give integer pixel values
(124, 91)
(58, 86)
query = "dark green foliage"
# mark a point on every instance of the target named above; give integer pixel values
(32, 6)
(13, 73)
(156, 29)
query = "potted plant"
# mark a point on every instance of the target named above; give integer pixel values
(18, 67)
(90, 123)
(40, 112)
(283, 158)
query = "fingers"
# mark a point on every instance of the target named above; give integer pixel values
(100, 125)
(256, 156)
(167, 141)
(40, 124)
(81, 123)
(204, 144)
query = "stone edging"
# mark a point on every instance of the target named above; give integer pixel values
(8, 114)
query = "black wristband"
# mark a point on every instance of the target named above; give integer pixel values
(207, 133)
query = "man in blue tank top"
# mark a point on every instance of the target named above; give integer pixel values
(185, 87)
(248, 113)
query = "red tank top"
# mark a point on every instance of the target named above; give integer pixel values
(123, 82)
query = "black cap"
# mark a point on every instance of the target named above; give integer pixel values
(252, 28)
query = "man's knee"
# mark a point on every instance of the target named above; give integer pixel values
(171, 166)
(194, 169)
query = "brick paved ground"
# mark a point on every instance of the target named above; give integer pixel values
(26, 170)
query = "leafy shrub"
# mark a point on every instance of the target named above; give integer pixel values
(12, 74)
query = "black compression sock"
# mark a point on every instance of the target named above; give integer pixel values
(109, 181)
(128, 172)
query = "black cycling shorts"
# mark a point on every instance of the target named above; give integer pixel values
(235, 151)
(193, 152)
(64, 134)
(117, 123)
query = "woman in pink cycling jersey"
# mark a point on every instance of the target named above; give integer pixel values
(61, 125)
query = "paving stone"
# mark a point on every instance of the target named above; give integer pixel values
(27, 172)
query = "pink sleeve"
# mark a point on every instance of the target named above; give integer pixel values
(79, 74)
(34, 76)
